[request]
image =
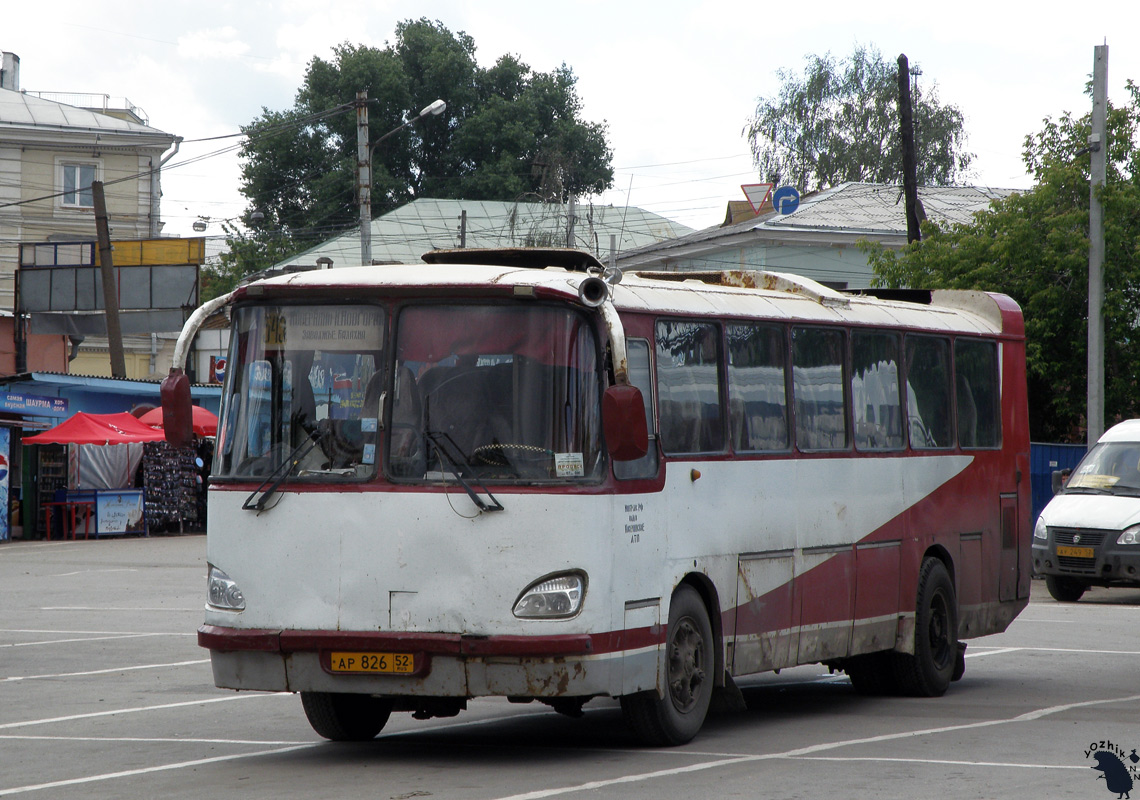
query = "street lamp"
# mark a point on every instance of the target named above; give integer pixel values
(364, 151)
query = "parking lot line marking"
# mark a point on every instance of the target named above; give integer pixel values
(84, 639)
(800, 753)
(1075, 650)
(944, 761)
(107, 776)
(116, 608)
(96, 633)
(24, 737)
(1080, 651)
(137, 709)
(999, 651)
(90, 571)
(104, 671)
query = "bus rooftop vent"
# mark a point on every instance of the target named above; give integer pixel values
(759, 279)
(518, 257)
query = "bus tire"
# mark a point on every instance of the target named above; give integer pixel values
(690, 658)
(1064, 590)
(346, 717)
(927, 673)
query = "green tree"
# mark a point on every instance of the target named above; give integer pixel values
(247, 251)
(1033, 246)
(839, 122)
(507, 131)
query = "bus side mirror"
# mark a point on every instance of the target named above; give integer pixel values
(177, 414)
(624, 423)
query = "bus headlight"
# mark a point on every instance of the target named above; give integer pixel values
(553, 597)
(1040, 529)
(222, 592)
(1130, 536)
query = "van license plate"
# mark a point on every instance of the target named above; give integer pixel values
(373, 663)
(1075, 552)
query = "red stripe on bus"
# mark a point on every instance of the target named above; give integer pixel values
(222, 639)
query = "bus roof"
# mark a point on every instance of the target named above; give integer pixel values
(729, 293)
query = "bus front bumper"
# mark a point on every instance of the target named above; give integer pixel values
(417, 664)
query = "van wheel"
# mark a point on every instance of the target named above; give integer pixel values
(928, 672)
(346, 717)
(1065, 590)
(677, 717)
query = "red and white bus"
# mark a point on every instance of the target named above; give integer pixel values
(516, 473)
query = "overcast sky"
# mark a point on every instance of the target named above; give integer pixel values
(675, 81)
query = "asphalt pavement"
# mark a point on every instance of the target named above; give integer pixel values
(104, 693)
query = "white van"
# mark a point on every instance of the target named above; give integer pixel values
(1089, 534)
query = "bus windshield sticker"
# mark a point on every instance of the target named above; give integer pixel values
(369, 456)
(569, 465)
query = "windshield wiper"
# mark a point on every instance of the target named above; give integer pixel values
(273, 481)
(447, 462)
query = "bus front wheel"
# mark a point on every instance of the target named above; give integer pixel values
(346, 717)
(690, 658)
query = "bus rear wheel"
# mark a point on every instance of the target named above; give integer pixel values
(929, 671)
(690, 658)
(346, 717)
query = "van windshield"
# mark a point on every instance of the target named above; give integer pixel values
(1110, 467)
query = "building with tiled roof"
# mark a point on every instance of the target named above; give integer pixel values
(818, 239)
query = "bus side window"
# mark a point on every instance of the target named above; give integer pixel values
(637, 354)
(688, 387)
(975, 370)
(928, 392)
(818, 388)
(757, 391)
(875, 390)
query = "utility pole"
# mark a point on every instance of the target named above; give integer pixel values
(364, 150)
(910, 165)
(1098, 170)
(110, 291)
(364, 172)
(20, 332)
(463, 229)
(571, 219)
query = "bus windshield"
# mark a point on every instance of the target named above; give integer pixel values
(495, 393)
(500, 393)
(302, 375)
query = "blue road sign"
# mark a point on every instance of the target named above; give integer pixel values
(786, 199)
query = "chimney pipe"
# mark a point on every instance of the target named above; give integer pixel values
(10, 72)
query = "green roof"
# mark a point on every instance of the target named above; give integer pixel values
(403, 235)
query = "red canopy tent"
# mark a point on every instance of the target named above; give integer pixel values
(205, 422)
(111, 468)
(83, 428)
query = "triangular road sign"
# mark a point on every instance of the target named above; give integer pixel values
(757, 194)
